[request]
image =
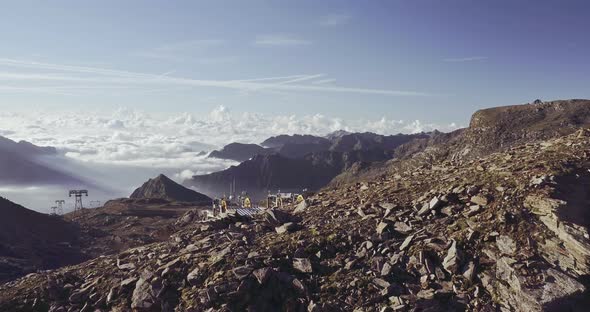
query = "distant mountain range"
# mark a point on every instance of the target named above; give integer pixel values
(296, 162)
(28, 164)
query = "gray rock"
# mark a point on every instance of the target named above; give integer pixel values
(242, 271)
(435, 203)
(381, 227)
(381, 283)
(262, 275)
(128, 282)
(406, 242)
(451, 261)
(424, 210)
(470, 271)
(473, 210)
(506, 244)
(143, 296)
(287, 227)
(302, 265)
(193, 277)
(301, 207)
(479, 200)
(402, 227)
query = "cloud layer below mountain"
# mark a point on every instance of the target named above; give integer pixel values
(123, 148)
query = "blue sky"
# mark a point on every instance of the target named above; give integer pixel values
(435, 61)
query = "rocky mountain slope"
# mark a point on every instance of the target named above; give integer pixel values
(504, 231)
(30, 241)
(162, 187)
(267, 173)
(490, 130)
(240, 151)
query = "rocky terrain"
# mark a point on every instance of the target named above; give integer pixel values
(126, 223)
(162, 187)
(505, 230)
(30, 241)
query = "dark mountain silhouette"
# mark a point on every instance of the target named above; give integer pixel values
(369, 140)
(26, 163)
(299, 150)
(240, 151)
(281, 140)
(265, 173)
(305, 162)
(30, 241)
(161, 187)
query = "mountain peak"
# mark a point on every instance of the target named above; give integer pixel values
(165, 188)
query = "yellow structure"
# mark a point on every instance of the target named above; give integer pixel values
(223, 205)
(300, 198)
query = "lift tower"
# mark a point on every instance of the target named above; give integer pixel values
(60, 206)
(78, 195)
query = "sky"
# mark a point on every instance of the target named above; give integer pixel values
(150, 84)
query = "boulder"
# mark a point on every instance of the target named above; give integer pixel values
(452, 260)
(302, 265)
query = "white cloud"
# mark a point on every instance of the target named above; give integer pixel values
(324, 81)
(110, 78)
(280, 40)
(331, 20)
(190, 50)
(466, 59)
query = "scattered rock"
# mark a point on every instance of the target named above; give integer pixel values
(302, 265)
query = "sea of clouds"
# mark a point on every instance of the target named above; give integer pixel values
(121, 149)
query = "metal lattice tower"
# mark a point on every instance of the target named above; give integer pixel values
(78, 195)
(60, 206)
(54, 211)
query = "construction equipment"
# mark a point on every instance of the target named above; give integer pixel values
(244, 200)
(247, 203)
(279, 200)
(78, 195)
